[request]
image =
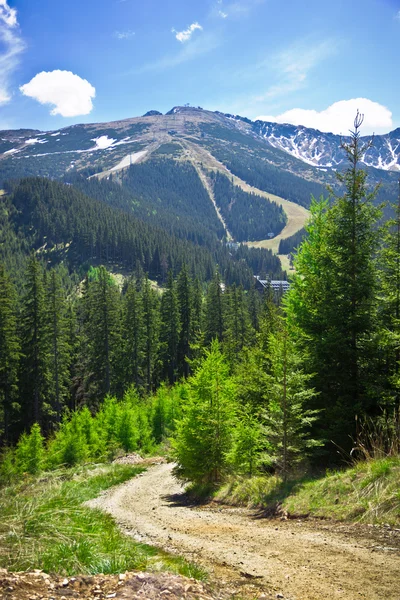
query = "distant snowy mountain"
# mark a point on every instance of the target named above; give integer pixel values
(324, 149)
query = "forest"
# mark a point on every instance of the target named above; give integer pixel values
(232, 381)
(248, 216)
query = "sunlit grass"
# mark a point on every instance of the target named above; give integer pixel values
(44, 525)
(368, 492)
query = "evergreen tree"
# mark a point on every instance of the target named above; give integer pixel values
(35, 345)
(9, 356)
(60, 351)
(204, 434)
(214, 311)
(287, 419)
(151, 325)
(332, 302)
(389, 318)
(170, 328)
(133, 336)
(237, 324)
(186, 318)
(103, 332)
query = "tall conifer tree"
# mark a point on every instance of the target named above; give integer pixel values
(35, 338)
(169, 330)
(332, 302)
(9, 355)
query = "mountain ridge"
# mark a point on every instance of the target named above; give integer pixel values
(310, 146)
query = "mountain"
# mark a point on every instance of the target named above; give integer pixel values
(324, 149)
(115, 145)
(202, 177)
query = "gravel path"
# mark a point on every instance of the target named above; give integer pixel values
(296, 560)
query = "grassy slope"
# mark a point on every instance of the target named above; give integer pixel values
(44, 525)
(368, 492)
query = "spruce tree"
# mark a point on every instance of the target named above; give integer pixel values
(151, 325)
(103, 332)
(286, 419)
(59, 346)
(214, 311)
(35, 346)
(332, 301)
(133, 337)
(9, 356)
(169, 331)
(389, 320)
(185, 304)
(204, 434)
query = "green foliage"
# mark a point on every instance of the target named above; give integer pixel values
(204, 433)
(69, 446)
(332, 304)
(9, 356)
(29, 453)
(248, 216)
(245, 454)
(286, 419)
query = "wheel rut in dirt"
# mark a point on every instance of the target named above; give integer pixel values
(301, 560)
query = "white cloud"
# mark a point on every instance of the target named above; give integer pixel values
(339, 117)
(70, 94)
(294, 64)
(222, 14)
(8, 15)
(397, 16)
(13, 47)
(186, 34)
(124, 35)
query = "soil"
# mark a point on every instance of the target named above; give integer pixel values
(37, 585)
(255, 556)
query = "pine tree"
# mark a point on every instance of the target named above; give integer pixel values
(332, 301)
(185, 303)
(287, 419)
(35, 345)
(389, 318)
(151, 324)
(170, 328)
(103, 332)
(204, 434)
(9, 356)
(214, 311)
(60, 350)
(133, 336)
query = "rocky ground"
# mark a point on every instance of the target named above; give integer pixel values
(128, 586)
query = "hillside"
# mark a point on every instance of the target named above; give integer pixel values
(168, 170)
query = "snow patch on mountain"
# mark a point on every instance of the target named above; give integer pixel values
(325, 150)
(103, 142)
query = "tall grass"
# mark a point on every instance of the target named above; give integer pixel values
(367, 492)
(44, 525)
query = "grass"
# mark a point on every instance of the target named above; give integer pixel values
(368, 492)
(44, 525)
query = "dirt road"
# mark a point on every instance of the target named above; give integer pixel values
(296, 560)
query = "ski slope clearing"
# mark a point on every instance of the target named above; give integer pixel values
(292, 559)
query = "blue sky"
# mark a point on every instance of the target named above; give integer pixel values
(303, 61)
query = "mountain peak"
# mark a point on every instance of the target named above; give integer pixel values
(153, 113)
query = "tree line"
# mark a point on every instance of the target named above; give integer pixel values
(64, 347)
(249, 386)
(65, 226)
